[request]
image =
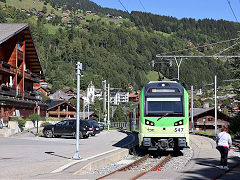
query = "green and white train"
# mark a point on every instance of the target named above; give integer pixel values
(164, 123)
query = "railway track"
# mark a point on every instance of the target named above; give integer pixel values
(137, 169)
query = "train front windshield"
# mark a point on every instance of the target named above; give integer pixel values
(164, 106)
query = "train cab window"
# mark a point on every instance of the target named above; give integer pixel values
(156, 106)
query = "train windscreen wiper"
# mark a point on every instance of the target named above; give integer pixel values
(169, 113)
(163, 116)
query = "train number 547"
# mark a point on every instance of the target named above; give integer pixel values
(178, 129)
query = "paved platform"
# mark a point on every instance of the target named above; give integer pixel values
(203, 164)
(27, 157)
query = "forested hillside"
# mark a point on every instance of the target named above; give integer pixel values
(121, 52)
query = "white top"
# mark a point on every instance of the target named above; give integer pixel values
(224, 139)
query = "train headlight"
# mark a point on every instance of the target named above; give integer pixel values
(178, 123)
(147, 122)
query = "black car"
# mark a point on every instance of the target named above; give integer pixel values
(96, 128)
(66, 128)
(101, 125)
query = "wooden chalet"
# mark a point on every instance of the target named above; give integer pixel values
(204, 119)
(43, 90)
(20, 68)
(134, 96)
(60, 109)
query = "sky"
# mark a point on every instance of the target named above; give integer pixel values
(197, 9)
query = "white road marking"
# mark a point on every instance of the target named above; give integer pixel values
(77, 161)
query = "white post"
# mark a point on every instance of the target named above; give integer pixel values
(83, 109)
(88, 110)
(215, 104)
(104, 103)
(77, 155)
(192, 106)
(108, 104)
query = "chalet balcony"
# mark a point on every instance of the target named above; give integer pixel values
(31, 76)
(61, 114)
(5, 67)
(7, 91)
(32, 95)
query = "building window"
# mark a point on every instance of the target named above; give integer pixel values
(210, 119)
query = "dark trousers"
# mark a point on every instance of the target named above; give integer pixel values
(224, 154)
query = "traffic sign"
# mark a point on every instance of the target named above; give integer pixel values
(108, 122)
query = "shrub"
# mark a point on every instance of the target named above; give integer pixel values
(33, 118)
(45, 124)
(235, 125)
(21, 121)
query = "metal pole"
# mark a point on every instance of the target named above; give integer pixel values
(104, 103)
(83, 109)
(108, 103)
(178, 65)
(215, 104)
(88, 110)
(192, 107)
(77, 155)
(37, 118)
(134, 119)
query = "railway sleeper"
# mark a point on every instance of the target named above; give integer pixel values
(166, 143)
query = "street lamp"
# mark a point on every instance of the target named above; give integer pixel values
(38, 97)
(204, 127)
(80, 66)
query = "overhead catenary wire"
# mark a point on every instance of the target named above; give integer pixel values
(232, 10)
(227, 48)
(186, 49)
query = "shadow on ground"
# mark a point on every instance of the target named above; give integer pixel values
(209, 168)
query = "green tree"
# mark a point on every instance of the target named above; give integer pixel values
(44, 9)
(119, 115)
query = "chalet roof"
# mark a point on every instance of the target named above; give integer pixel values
(67, 90)
(60, 95)
(9, 30)
(52, 103)
(47, 89)
(199, 111)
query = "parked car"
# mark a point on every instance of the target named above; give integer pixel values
(66, 128)
(96, 127)
(101, 125)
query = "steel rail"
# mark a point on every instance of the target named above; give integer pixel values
(194, 56)
(159, 165)
(127, 167)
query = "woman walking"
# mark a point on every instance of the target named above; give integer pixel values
(224, 143)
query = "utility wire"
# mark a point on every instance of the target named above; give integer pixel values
(232, 10)
(227, 48)
(123, 5)
(142, 5)
(202, 46)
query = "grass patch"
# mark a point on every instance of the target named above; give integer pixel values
(153, 76)
(28, 4)
(206, 133)
(51, 29)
